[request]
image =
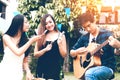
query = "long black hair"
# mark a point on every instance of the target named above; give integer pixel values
(1, 45)
(16, 26)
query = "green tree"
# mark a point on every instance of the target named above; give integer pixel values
(41, 7)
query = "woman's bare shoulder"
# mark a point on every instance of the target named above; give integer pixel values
(5, 36)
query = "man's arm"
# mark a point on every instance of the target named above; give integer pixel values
(114, 42)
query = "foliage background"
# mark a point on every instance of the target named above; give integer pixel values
(41, 7)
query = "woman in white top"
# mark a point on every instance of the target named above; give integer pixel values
(16, 48)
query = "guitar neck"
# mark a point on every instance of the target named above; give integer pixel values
(99, 47)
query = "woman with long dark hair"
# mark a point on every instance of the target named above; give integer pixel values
(16, 49)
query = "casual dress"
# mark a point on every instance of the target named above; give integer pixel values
(49, 64)
(11, 66)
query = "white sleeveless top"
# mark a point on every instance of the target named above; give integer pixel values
(11, 67)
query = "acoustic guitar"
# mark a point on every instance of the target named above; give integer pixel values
(86, 60)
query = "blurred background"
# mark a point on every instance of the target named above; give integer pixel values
(65, 12)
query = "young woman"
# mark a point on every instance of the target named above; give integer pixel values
(51, 50)
(16, 49)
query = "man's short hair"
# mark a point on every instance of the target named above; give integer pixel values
(85, 17)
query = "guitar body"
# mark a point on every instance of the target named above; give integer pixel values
(78, 63)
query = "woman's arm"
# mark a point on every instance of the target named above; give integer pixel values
(62, 45)
(12, 45)
(38, 53)
(29, 75)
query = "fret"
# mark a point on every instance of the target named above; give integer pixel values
(99, 47)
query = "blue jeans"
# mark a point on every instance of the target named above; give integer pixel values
(98, 73)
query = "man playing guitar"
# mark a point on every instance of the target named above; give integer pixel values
(106, 68)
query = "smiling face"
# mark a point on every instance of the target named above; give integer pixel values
(50, 25)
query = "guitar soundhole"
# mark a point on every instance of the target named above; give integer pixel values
(88, 56)
(87, 61)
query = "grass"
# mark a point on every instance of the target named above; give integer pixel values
(117, 76)
(70, 76)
